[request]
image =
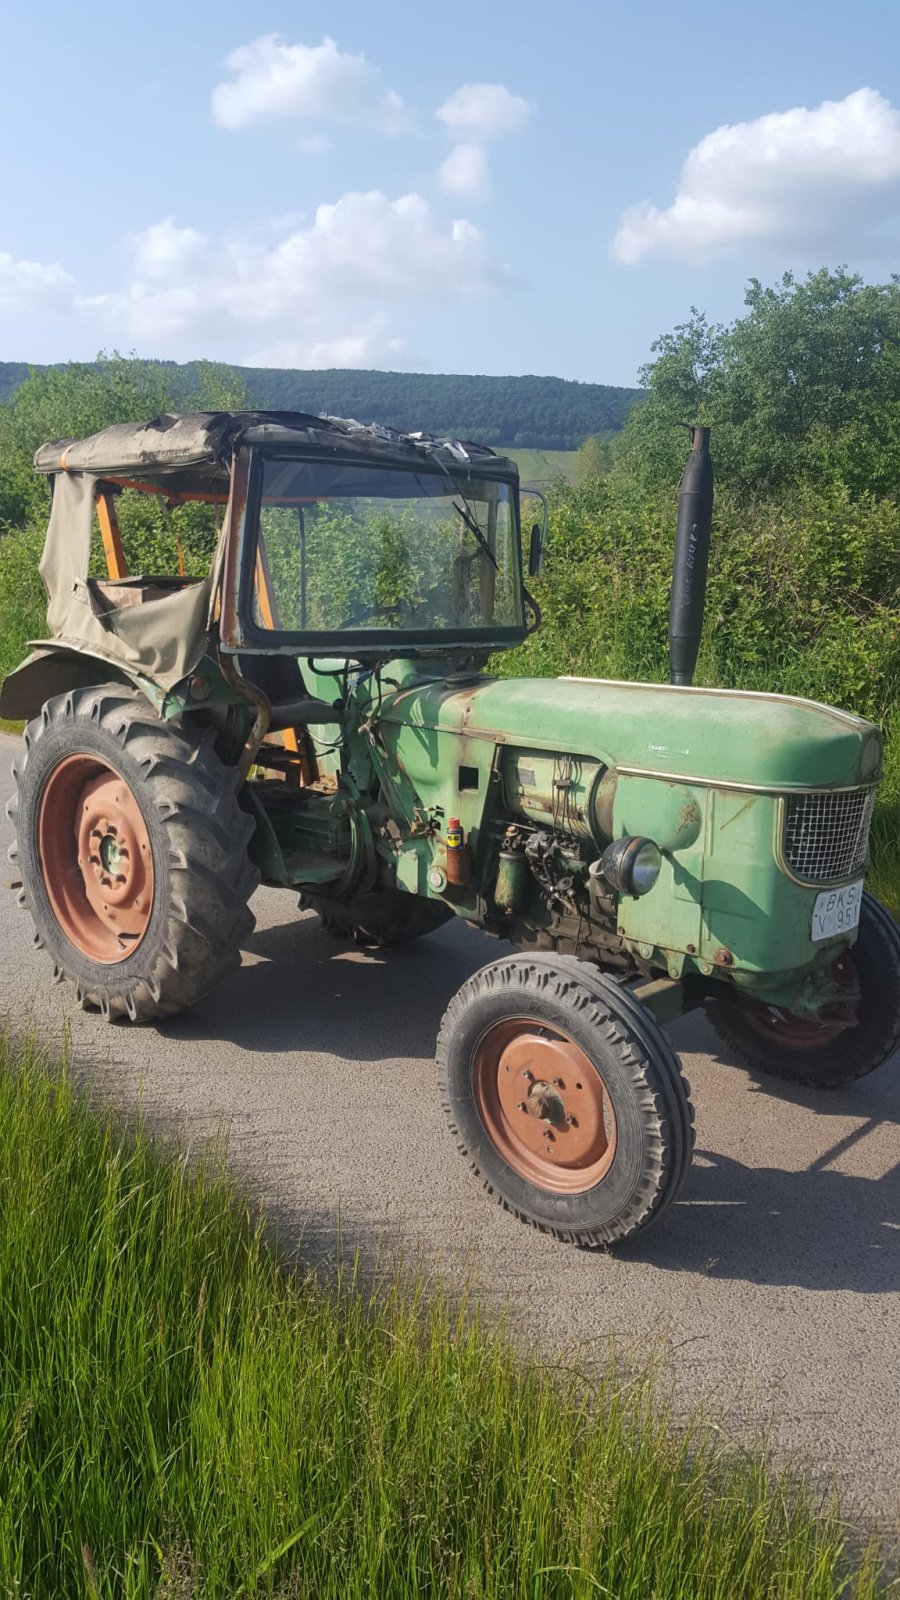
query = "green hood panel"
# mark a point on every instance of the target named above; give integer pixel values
(720, 736)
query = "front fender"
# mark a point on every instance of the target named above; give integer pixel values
(52, 669)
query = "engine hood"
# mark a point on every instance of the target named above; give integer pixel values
(726, 736)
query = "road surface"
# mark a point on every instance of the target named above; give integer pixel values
(772, 1285)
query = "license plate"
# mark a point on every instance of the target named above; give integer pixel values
(836, 911)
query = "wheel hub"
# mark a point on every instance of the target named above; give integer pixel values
(96, 858)
(544, 1105)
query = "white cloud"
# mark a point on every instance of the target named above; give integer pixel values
(465, 172)
(801, 179)
(482, 109)
(369, 344)
(313, 291)
(29, 286)
(275, 79)
(188, 292)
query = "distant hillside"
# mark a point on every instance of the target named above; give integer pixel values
(534, 413)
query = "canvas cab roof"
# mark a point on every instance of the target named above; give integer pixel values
(193, 450)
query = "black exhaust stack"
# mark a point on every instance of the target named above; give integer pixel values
(695, 505)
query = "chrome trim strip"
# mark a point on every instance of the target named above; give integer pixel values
(733, 694)
(776, 789)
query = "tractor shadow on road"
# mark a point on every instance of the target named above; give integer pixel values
(301, 991)
(819, 1227)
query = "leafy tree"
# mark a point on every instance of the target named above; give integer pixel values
(804, 388)
(593, 458)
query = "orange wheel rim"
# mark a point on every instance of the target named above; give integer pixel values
(802, 1033)
(95, 858)
(544, 1106)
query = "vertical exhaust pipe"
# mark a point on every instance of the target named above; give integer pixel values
(695, 505)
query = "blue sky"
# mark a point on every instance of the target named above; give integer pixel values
(466, 188)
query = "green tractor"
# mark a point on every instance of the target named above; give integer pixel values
(314, 714)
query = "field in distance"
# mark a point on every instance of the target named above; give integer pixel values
(542, 466)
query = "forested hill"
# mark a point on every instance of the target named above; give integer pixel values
(538, 413)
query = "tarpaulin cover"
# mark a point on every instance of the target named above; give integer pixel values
(189, 450)
(164, 635)
(163, 638)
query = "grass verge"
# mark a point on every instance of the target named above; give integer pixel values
(180, 1416)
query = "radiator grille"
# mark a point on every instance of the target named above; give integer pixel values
(826, 835)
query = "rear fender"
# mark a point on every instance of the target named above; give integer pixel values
(53, 669)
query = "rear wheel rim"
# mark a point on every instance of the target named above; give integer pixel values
(544, 1106)
(95, 858)
(803, 1033)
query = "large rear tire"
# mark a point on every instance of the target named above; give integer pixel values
(827, 1055)
(566, 1098)
(132, 851)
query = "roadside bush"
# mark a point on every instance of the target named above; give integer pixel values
(23, 599)
(803, 597)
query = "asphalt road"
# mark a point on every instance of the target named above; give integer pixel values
(772, 1286)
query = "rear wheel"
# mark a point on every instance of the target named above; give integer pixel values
(132, 850)
(566, 1097)
(825, 1055)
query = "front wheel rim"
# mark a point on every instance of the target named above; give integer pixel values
(95, 857)
(544, 1106)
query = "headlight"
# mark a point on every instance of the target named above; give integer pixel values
(631, 865)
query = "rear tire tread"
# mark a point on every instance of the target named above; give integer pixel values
(209, 874)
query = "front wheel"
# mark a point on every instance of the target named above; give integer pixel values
(825, 1055)
(566, 1097)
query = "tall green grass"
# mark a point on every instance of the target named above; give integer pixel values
(180, 1415)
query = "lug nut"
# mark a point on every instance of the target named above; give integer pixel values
(528, 1076)
(521, 1106)
(548, 1133)
(558, 1083)
(572, 1122)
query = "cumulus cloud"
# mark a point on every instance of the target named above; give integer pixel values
(370, 343)
(294, 288)
(275, 79)
(28, 286)
(794, 179)
(312, 291)
(480, 110)
(465, 172)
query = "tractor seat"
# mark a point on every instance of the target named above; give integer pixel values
(281, 681)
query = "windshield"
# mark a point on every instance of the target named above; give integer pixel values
(363, 549)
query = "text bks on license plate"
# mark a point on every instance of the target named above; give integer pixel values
(836, 911)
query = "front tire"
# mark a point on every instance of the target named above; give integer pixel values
(132, 851)
(566, 1097)
(823, 1055)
